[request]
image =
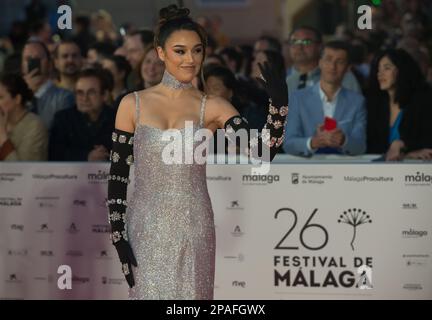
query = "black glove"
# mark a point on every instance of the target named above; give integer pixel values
(121, 158)
(274, 83)
(127, 259)
(272, 139)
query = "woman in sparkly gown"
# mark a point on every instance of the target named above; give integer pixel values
(164, 234)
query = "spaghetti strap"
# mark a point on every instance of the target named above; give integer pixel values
(137, 106)
(203, 101)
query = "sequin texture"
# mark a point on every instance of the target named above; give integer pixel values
(115, 157)
(170, 223)
(171, 82)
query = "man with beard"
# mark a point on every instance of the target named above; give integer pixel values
(68, 62)
(36, 70)
(136, 45)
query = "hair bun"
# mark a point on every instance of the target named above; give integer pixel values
(172, 12)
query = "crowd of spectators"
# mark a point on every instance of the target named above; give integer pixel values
(350, 93)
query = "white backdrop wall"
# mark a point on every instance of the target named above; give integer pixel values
(278, 236)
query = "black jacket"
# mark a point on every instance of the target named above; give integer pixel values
(73, 135)
(415, 128)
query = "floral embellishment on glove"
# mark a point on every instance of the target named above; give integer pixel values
(116, 236)
(273, 110)
(122, 138)
(237, 121)
(115, 157)
(277, 124)
(283, 111)
(125, 269)
(129, 160)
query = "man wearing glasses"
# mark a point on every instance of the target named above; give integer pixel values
(327, 118)
(83, 133)
(305, 44)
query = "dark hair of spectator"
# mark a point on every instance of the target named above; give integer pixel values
(146, 36)
(83, 21)
(16, 85)
(275, 58)
(409, 79)
(104, 77)
(12, 63)
(40, 43)
(339, 45)
(217, 57)
(247, 54)
(173, 19)
(273, 43)
(37, 26)
(315, 31)
(121, 64)
(359, 51)
(410, 93)
(229, 81)
(55, 53)
(18, 34)
(222, 73)
(105, 49)
(233, 54)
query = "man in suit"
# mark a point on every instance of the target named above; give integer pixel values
(305, 46)
(306, 132)
(83, 132)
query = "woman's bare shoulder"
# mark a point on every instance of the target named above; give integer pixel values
(125, 118)
(195, 94)
(215, 103)
(127, 104)
(149, 91)
(218, 110)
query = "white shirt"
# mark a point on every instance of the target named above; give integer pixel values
(43, 88)
(329, 107)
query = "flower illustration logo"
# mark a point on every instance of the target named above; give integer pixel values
(354, 217)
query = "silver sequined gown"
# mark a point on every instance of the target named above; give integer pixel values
(170, 222)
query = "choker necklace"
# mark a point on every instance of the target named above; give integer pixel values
(171, 82)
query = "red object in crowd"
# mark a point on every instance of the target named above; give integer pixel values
(329, 124)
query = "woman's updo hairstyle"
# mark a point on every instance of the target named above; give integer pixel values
(173, 19)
